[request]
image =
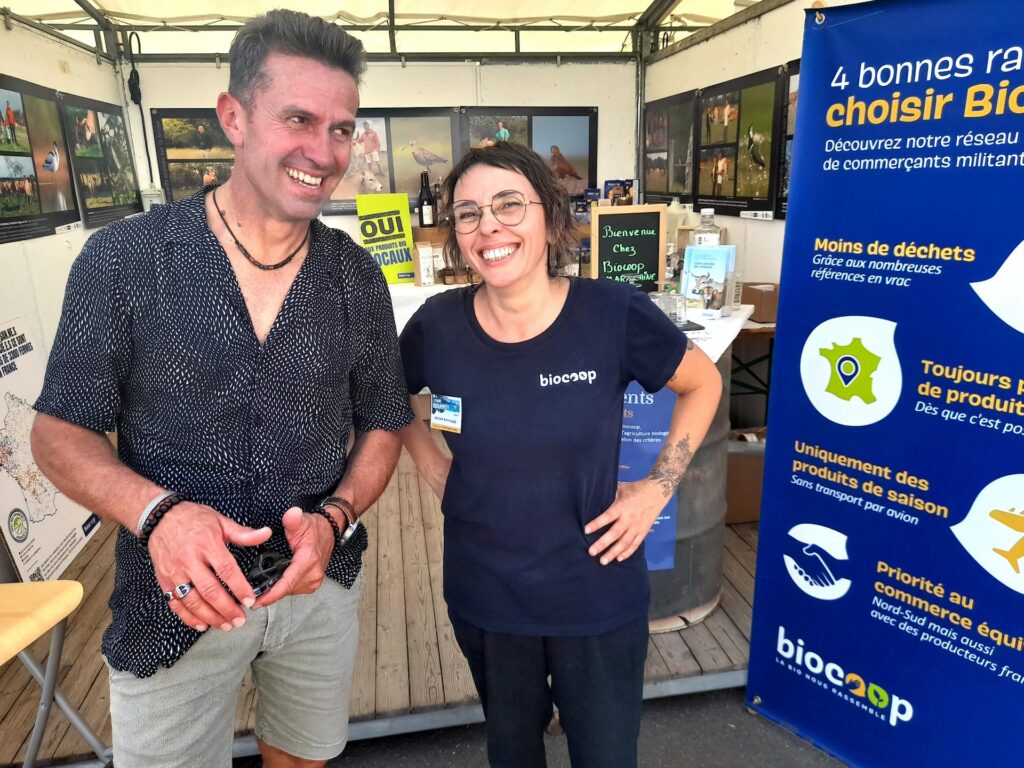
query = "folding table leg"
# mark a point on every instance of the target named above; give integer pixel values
(49, 684)
(101, 750)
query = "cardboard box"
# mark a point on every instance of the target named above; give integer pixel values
(765, 298)
(424, 237)
(743, 481)
(423, 263)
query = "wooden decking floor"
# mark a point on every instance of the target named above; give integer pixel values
(409, 674)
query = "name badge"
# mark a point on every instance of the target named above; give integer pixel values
(446, 413)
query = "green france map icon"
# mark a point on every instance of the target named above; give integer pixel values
(852, 367)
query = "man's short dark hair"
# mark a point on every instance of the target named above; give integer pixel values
(558, 216)
(294, 34)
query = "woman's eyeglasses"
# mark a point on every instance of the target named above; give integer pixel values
(508, 207)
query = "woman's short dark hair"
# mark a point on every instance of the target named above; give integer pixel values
(523, 160)
(294, 34)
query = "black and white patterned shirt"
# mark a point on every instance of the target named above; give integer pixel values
(155, 341)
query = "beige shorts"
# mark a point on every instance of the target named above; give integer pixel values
(301, 650)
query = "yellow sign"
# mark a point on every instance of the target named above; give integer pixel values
(386, 232)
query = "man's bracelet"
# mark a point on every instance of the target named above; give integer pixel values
(149, 510)
(338, 538)
(341, 537)
(162, 507)
(344, 505)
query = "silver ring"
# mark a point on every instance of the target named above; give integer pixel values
(183, 589)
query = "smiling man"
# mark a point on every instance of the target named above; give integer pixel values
(235, 344)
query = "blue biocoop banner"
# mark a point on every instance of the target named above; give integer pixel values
(645, 420)
(888, 623)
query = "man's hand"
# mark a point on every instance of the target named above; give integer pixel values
(631, 516)
(190, 546)
(312, 541)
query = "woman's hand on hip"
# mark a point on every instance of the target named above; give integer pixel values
(631, 516)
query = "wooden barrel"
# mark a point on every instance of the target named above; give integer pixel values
(692, 587)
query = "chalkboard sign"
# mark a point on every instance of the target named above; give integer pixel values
(628, 244)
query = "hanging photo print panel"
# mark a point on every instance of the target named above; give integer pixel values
(787, 120)
(566, 137)
(390, 147)
(101, 160)
(37, 197)
(669, 148)
(736, 124)
(192, 151)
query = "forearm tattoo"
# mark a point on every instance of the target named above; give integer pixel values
(671, 465)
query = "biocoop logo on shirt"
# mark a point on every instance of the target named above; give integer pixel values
(550, 379)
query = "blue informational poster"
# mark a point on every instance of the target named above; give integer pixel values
(888, 622)
(645, 422)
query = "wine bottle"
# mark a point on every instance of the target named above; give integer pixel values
(426, 200)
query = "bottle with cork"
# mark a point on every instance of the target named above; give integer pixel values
(426, 202)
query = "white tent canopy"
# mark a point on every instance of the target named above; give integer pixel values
(416, 27)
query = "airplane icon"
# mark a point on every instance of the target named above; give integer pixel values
(1014, 521)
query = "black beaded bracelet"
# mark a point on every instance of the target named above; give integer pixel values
(344, 505)
(156, 516)
(338, 541)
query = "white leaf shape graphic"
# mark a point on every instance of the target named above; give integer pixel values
(1001, 292)
(993, 531)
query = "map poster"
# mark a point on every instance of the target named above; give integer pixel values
(887, 624)
(43, 530)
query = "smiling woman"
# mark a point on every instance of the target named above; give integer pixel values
(544, 565)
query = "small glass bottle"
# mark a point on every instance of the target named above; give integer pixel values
(426, 202)
(736, 299)
(707, 233)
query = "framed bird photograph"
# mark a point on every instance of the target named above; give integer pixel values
(49, 155)
(737, 170)
(391, 148)
(37, 195)
(669, 148)
(421, 143)
(565, 142)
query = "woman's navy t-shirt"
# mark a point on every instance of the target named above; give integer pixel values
(537, 457)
